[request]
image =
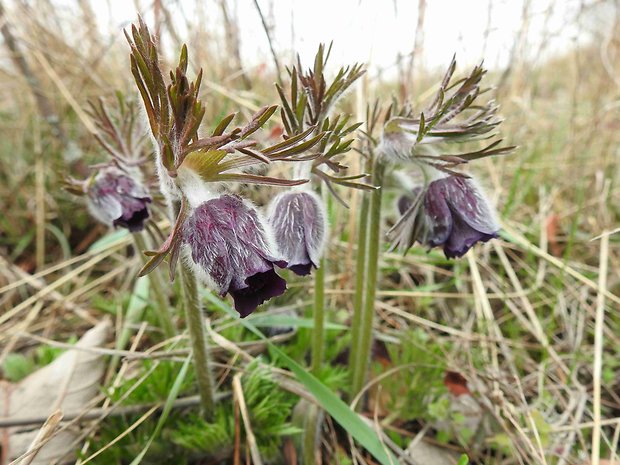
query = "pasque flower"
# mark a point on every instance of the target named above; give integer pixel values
(299, 223)
(117, 198)
(230, 248)
(451, 212)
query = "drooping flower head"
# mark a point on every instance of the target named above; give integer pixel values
(298, 217)
(117, 198)
(299, 223)
(452, 212)
(449, 209)
(229, 246)
(115, 193)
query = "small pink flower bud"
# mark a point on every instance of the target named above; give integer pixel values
(299, 223)
(230, 249)
(452, 213)
(118, 199)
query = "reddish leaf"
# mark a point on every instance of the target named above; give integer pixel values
(456, 383)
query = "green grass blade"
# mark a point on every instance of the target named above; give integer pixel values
(172, 396)
(329, 401)
(107, 240)
(286, 321)
(137, 303)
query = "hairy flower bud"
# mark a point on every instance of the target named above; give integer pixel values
(118, 199)
(396, 145)
(299, 222)
(230, 249)
(452, 212)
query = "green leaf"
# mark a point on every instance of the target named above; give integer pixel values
(286, 321)
(135, 307)
(204, 163)
(258, 120)
(258, 179)
(463, 460)
(183, 58)
(329, 401)
(174, 393)
(221, 127)
(152, 263)
(108, 240)
(290, 142)
(302, 147)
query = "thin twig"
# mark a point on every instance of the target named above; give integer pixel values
(270, 40)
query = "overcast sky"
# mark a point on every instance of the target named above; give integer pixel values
(375, 31)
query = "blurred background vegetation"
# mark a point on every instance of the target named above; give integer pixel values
(524, 340)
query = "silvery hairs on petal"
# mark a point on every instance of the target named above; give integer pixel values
(118, 198)
(452, 212)
(299, 221)
(227, 245)
(474, 218)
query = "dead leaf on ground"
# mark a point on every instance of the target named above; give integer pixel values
(424, 453)
(67, 384)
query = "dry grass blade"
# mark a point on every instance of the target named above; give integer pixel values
(598, 348)
(519, 239)
(249, 434)
(67, 278)
(46, 432)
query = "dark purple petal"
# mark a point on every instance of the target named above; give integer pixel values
(465, 197)
(302, 269)
(227, 242)
(260, 287)
(404, 203)
(455, 215)
(133, 218)
(463, 237)
(438, 215)
(118, 199)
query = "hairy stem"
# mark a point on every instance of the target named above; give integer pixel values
(360, 274)
(311, 438)
(367, 267)
(162, 304)
(318, 331)
(198, 339)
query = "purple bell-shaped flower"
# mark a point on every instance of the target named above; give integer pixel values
(299, 223)
(451, 212)
(230, 249)
(118, 199)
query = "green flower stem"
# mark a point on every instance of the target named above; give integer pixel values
(162, 304)
(362, 337)
(318, 331)
(318, 315)
(311, 438)
(198, 340)
(360, 276)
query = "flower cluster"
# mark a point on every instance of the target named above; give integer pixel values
(222, 237)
